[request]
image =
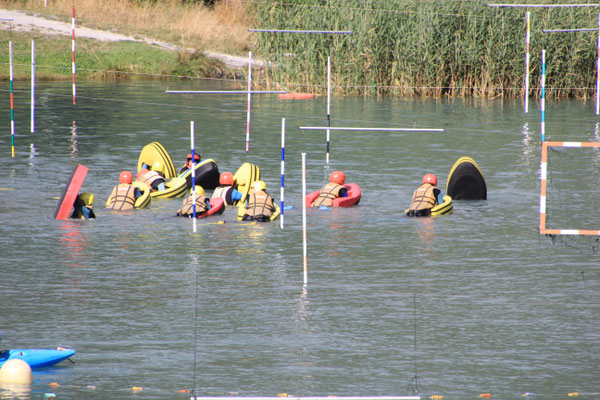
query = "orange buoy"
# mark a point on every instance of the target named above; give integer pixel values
(485, 395)
(297, 96)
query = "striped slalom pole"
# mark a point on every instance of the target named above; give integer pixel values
(328, 106)
(543, 5)
(343, 128)
(527, 38)
(543, 99)
(543, 189)
(301, 31)
(249, 97)
(193, 175)
(225, 91)
(32, 85)
(73, 52)
(282, 170)
(304, 244)
(12, 107)
(598, 72)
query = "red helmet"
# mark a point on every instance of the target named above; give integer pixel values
(196, 157)
(141, 173)
(430, 178)
(226, 179)
(337, 177)
(126, 177)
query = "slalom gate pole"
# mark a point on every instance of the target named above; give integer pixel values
(527, 38)
(543, 99)
(304, 235)
(249, 97)
(328, 105)
(193, 175)
(73, 53)
(32, 85)
(282, 170)
(12, 105)
(598, 72)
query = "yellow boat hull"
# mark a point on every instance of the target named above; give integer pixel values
(244, 177)
(174, 187)
(156, 152)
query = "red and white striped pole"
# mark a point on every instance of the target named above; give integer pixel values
(73, 52)
(598, 72)
(527, 36)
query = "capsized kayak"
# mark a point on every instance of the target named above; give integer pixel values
(37, 358)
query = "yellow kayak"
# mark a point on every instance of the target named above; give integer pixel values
(156, 152)
(244, 177)
(175, 187)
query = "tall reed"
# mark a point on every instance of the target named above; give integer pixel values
(426, 47)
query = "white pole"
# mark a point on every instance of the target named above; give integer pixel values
(328, 105)
(12, 107)
(527, 37)
(32, 85)
(73, 54)
(543, 99)
(282, 169)
(598, 72)
(249, 97)
(304, 244)
(193, 175)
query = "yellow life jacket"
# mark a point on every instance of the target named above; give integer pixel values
(122, 197)
(260, 203)
(423, 198)
(329, 192)
(188, 206)
(224, 192)
(152, 179)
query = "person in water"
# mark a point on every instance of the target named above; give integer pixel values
(226, 189)
(154, 178)
(188, 162)
(332, 190)
(202, 204)
(82, 208)
(260, 205)
(123, 195)
(425, 197)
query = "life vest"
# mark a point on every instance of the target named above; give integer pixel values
(122, 197)
(225, 193)
(260, 204)
(423, 199)
(329, 192)
(152, 179)
(187, 208)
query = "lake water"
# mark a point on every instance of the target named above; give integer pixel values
(148, 303)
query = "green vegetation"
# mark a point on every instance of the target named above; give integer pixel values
(427, 47)
(101, 60)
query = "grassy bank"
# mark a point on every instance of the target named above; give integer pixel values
(427, 47)
(101, 60)
(223, 28)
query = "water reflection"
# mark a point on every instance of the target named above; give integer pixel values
(73, 242)
(32, 154)
(530, 148)
(15, 392)
(427, 235)
(73, 140)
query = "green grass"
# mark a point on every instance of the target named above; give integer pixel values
(100, 60)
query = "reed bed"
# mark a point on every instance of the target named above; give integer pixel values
(426, 47)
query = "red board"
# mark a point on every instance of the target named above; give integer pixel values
(65, 204)
(217, 206)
